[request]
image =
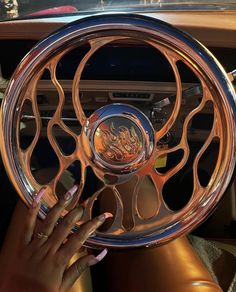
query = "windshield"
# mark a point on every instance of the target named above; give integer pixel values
(12, 9)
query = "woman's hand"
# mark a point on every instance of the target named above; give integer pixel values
(41, 259)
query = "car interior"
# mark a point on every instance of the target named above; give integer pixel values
(123, 100)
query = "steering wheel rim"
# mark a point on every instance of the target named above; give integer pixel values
(175, 45)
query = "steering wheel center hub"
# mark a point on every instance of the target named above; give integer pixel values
(120, 139)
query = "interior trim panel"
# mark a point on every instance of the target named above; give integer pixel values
(205, 26)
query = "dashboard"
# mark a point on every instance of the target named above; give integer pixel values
(130, 72)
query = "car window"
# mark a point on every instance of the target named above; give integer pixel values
(14, 9)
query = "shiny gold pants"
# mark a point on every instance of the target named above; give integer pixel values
(174, 267)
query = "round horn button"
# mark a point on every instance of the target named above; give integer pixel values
(118, 141)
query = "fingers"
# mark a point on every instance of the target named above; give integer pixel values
(53, 216)
(31, 218)
(76, 269)
(63, 229)
(75, 242)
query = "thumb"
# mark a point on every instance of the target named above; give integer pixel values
(78, 267)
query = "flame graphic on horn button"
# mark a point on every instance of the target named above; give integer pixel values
(118, 140)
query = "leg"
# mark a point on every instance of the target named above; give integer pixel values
(172, 267)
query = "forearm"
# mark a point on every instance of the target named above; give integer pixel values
(21, 284)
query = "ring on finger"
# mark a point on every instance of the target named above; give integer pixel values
(41, 235)
(79, 269)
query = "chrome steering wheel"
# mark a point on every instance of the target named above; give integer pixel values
(118, 141)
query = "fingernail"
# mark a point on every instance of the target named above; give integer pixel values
(98, 258)
(38, 197)
(104, 216)
(69, 195)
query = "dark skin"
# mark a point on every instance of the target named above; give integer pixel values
(41, 264)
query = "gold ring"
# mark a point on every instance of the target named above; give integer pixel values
(41, 235)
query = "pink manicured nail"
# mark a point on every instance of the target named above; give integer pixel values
(69, 195)
(104, 216)
(38, 197)
(102, 255)
(98, 258)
